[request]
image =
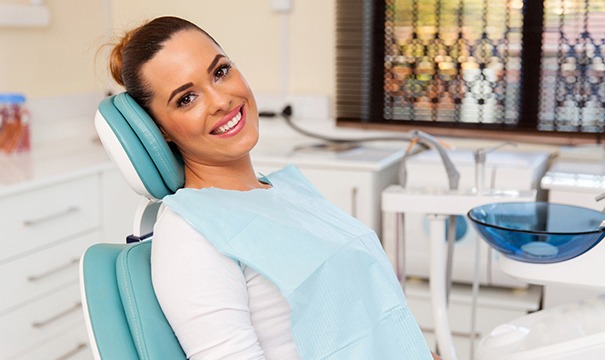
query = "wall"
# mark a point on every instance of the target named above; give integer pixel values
(57, 60)
(60, 60)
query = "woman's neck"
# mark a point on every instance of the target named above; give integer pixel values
(235, 176)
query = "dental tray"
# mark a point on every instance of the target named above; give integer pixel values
(539, 232)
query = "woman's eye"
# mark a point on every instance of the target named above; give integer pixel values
(185, 100)
(222, 71)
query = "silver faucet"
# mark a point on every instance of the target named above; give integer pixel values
(599, 198)
(480, 158)
(453, 175)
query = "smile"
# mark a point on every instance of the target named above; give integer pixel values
(229, 125)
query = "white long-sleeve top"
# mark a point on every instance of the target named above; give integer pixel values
(217, 308)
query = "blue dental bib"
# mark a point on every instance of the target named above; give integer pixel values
(345, 300)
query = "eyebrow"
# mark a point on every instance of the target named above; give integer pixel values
(178, 90)
(214, 61)
(188, 85)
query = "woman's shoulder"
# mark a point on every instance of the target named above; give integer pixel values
(176, 241)
(169, 219)
(170, 226)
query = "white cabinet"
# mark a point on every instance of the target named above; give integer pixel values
(44, 232)
(46, 226)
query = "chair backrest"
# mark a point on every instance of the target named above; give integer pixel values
(124, 319)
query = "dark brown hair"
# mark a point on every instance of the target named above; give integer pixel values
(140, 45)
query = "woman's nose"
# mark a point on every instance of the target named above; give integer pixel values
(218, 100)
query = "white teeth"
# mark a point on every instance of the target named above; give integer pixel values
(230, 125)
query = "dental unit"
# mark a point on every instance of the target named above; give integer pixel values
(538, 243)
(442, 206)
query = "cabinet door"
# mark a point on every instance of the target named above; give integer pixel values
(42, 272)
(46, 215)
(70, 345)
(38, 322)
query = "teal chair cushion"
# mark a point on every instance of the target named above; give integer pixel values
(159, 167)
(154, 338)
(125, 317)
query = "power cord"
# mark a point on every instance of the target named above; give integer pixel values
(286, 114)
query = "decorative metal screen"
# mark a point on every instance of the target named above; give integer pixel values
(462, 62)
(453, 60)
(573, 68)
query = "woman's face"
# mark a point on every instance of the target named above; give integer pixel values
(201, 101)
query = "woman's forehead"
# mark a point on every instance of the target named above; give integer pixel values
(190, 42)
(185, 54)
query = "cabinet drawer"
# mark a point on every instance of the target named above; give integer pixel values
(41, 216)
(71, 345)
(43, 271)
(38, 322)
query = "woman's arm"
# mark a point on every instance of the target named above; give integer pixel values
(202, 293)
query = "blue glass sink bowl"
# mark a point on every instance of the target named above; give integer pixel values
(538, 232)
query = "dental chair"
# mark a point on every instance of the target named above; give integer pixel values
(123, 318)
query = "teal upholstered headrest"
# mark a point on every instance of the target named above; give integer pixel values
(158, 167)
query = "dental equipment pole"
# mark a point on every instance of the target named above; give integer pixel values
(453, 180)
(438, 288)
(400, 263)
(480, 156)
(440, 281)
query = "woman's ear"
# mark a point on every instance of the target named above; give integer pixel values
(165, 135)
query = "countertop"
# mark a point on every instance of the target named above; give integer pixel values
(280, 145)
(54, 159)
(68, 148)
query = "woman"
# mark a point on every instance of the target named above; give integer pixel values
(249, 268)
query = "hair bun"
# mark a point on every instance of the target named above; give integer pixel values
(116, 57)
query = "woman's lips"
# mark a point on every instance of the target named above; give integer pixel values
(231, 123)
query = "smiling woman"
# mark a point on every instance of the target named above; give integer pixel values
(246, 267)
(197, 92)
(198, 98)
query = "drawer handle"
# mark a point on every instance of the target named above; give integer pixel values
(38, 277)
(43, 219)
(354, 191)
(79, 347)
(62, 314)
